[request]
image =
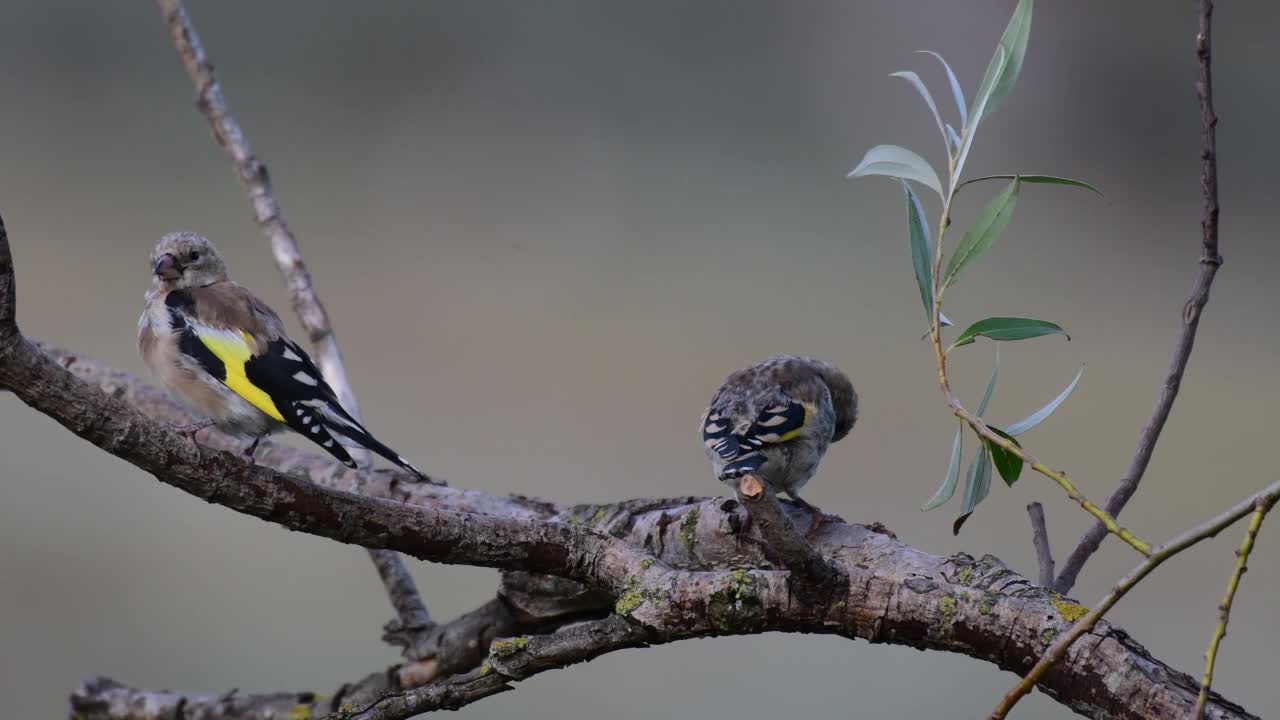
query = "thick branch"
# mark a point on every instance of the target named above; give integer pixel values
(1210, 261)
(896, 594)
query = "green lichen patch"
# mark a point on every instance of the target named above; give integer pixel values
(1046, 636)
(966, 573)
(948, 608)
(628, 601)
(689, 529)
(738, 605)
(1070, 611)
(597, 516)
(300, 712)
(504, 648)
(646, 563)
(634, 596)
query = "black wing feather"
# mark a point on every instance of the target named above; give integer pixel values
(287, 374)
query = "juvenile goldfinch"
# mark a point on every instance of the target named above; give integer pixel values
(225, 354)
(776, 419)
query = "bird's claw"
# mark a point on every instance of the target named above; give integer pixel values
(189, 431)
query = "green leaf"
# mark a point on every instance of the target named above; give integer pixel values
(956, 92)
(1040, 415)
(989, 225)
(919, 85)
(991, 386)
(953, 138)
(948, 487)
(976, 487)
(1041, 179)
(898, 162)
(970, 128)
(1007, 328)
(1000, 76)
(921, 249)
(1007, 464)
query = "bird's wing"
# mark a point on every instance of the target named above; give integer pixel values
(240, 341)
(236, 345)
(781, 418)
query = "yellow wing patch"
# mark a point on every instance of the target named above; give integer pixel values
(232, 348)
(793, 434)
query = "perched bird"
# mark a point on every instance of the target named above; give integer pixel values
(776, 419)
(225, 354)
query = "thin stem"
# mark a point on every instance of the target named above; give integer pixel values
(288, 258)
(1165, 551)
(1261, 508)
(1210, 261)
(1040, 539)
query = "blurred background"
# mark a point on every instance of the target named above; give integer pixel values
(545, 230)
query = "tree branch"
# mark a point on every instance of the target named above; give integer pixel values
(1040, 538)
(898, 598)
(692, 584)
(1261, 508)
(1204, 531)
(784, 546)
(1210, 261)
(411, 611)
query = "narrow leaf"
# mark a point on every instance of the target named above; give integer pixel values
(977, 485)
(1007, 328)
(1040, 415)
(953, 138)
(1007, 464)
(971, 128)
(1000, 76)
(919, 85)
(899, 162)
(988, 226)
(956, 92)
(948, 487)
(991, 386)
(921, 249)
(1044, 179)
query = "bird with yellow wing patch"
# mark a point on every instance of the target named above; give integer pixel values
(225, 354)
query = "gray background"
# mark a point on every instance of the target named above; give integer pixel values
(546, 231)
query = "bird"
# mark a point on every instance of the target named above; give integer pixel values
(225, 354)
(776, 419)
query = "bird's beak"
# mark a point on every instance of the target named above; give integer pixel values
(167, 268)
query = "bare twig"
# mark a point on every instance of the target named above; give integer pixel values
(1210, 261)
(1040, 538)
(408, 603)
(1158, 555)
(1260, 511)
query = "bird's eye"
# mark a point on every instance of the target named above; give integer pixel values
(195, 255)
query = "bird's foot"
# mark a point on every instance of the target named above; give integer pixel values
(253, 446)
(189, 432)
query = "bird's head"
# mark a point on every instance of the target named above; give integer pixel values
(186, 260)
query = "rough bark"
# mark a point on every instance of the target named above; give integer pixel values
(674, 568)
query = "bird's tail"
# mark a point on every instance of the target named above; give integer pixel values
(350, 432)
